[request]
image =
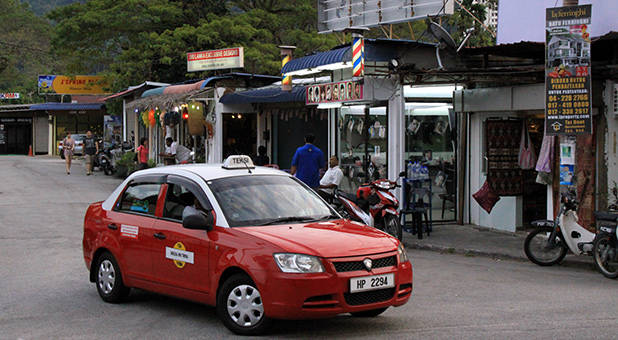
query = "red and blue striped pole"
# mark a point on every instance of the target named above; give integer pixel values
(286, 56)
(358, 55)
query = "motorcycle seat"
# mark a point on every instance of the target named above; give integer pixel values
(542, 223)
(606, 216)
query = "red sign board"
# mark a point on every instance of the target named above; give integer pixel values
(344, 91)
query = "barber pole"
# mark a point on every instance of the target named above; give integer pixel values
(286, 56)
(358, 56)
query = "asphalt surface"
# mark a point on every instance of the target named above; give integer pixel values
(45, 292)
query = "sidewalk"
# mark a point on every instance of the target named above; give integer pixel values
(472, 240)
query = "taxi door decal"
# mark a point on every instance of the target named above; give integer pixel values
(179, 255)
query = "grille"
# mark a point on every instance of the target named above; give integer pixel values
(365, 298)
(358, 265)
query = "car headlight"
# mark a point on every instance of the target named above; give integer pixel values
(401, 252)
(298, 263)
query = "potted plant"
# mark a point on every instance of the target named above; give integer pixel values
(126, 164)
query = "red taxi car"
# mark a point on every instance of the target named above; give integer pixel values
(254, 242)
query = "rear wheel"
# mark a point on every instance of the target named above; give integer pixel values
(393, 226)
(109, 279)
(62, 154)
(369, 313)
(539, 250)
(240, 306)
(604, 252)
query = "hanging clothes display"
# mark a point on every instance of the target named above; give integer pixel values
(527, 156)
(546, 155)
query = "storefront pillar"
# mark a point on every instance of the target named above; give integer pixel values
(51, 139)
(217, 155)
(396, 137)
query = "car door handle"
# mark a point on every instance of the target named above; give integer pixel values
(112, 226)
(160, 236)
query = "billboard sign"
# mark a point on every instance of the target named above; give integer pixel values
(72, 85)
(568, 99)
(344, 91)
(338, 15)
(215, 59)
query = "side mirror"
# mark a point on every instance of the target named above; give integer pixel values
(402, 174)
(197, 219)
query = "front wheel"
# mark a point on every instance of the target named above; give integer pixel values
(240, 306)
(108, 170)
(393, 226)
(540, 251)
(604, 252)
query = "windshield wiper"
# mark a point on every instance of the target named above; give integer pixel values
(288, 219)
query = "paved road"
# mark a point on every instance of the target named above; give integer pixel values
(45, 292)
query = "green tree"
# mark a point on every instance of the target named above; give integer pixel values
(24, 50)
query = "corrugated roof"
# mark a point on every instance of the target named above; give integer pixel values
(265, 95)
(318, 59)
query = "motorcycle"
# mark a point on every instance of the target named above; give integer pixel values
(549, 244)
(104, 158)
(375, 205)
(114, 154)
(604, 250)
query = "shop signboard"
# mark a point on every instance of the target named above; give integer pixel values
(14, 95)
(568, 98)
(344, 91)
(72, 85)
(215, 59)
(338, 15)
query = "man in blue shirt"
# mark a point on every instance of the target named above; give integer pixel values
(307, 162)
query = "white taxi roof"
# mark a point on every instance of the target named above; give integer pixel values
(208, 171)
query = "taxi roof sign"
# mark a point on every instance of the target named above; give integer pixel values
(238, 162)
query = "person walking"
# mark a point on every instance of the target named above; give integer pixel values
(307, 162)
(68, 144)
(91, 148)
(142, 154)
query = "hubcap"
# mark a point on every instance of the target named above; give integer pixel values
(244, 305)
(542, 249)
(107, 276)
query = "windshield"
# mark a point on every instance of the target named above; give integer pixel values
(266, 200)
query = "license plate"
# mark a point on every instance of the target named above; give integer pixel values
(365, 283)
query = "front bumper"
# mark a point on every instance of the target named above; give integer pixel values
(320, 295)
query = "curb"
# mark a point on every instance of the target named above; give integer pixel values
(569, 261)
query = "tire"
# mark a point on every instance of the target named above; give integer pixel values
(108, 170)
(393, 226)
(236, 316)
(369, 313)
(108, 279)
(62, 154)
(535, 246)
(605, 247)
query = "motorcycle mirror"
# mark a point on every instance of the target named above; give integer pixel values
(402, 174)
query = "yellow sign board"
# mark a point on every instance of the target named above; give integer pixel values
(84, 85)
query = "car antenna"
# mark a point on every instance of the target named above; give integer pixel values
(244, 161)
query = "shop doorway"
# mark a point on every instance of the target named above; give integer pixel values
(535, 194)
(291, 130)
(239, 134)
(362, 144)
(15, 136)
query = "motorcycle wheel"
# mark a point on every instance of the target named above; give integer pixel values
(604, 253)
(393, 226)
(540, 252)
(108, 170)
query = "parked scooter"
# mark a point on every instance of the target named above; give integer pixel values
(550, 243)
(605, 250)
(346, 206)
(378, 202)
(104, 158)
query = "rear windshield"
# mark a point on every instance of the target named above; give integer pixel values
(257, 199)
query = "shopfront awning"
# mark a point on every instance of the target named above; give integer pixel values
(66, 107)
(334, 56)
(265, 95)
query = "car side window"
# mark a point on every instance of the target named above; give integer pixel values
(178, 197)
(140, 198)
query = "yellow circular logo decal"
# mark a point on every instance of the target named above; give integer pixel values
(179, 245)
